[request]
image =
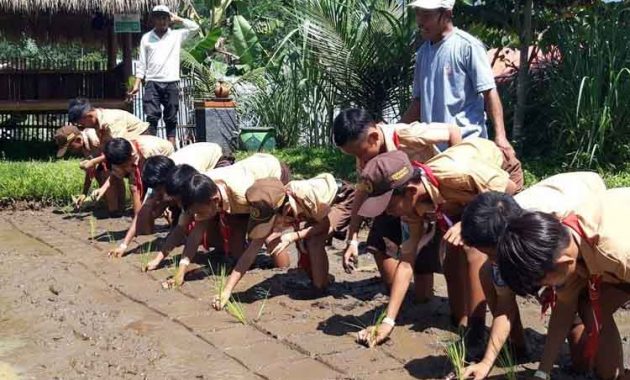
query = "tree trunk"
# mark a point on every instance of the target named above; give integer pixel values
(522, 84)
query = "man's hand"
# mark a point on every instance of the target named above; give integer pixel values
(220, 300)
(454, 235)
(478, 371)
(373, 335)
(285, 241)
(175, 18)
(351, 258)
(506, 148)
(133, 92)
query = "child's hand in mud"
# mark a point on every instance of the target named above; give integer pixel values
(351, 258)
(477, 371)
(96, 195)
(220, 300)
(155, 263)
(177, 280)
(117, 252)
(79, 200)
(373, 335)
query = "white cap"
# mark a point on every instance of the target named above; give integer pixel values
(432, 4)
(161, 9)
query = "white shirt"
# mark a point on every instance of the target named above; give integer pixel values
(159, 57)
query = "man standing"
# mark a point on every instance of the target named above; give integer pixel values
(158, 66)
(454, 84)
(453, 81)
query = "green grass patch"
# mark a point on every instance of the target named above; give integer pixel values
(55, 182)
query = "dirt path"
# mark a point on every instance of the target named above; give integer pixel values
(67, 311)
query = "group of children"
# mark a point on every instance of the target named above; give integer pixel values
(438, 204)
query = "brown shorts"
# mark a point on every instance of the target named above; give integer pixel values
(513, 168)
(428, 259)
(384, 227)
(341, 211)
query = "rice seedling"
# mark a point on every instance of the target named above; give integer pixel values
(92, 227)
(377, 324)
(265, 297)
(456, 353)
(144, 257)
(506, 361)
(235, 308)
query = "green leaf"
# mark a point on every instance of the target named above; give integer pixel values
(199, 51)
(246, 44)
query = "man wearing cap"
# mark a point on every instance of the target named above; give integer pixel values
(453, 80)
(317, 209)
(430, 198)
(158, 67)
(87, 143)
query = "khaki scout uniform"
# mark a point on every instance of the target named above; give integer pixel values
(462, 172)
(202, 156)
(559, 195)
(114, 123)
(417, 140)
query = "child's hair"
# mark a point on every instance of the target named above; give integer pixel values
(117, 151)
(350, 125)
(199, 189)
(77, 108)
(177, 177)
(527, 249)
(485, 218)
(155, 171)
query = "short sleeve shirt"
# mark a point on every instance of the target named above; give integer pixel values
(239, 177)
(464, 171)
(150, 146)
(202, 156)
(449, 78)
(418, 140)
(114, 123)
(314, 196)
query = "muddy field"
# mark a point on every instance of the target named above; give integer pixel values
(68, 311)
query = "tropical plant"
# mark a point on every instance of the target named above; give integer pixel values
(591, 86)
(362, 49)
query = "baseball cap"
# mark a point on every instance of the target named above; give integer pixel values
(265, 197)
(380, 177)
(161, 9)
(64, 136)
(432, 4)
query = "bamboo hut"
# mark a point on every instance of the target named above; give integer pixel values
(34, 93)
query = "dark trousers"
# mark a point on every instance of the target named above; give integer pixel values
(156, 95)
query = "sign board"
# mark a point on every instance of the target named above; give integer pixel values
(127, 23)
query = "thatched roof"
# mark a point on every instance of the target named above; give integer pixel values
(82, 6)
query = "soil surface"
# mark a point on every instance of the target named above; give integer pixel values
(67, 311)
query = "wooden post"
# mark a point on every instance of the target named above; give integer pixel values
(112, 47)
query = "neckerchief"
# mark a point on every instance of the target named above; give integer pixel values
(594, 290)
(137, 175)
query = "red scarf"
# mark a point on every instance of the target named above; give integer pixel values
(137, 175)
(594, 290)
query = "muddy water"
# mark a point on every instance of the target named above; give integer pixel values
(69, 312)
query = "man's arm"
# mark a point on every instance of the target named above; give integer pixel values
(352, 250)
(141, 68)
(412, 114)
(189, 27)
(494, 108)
